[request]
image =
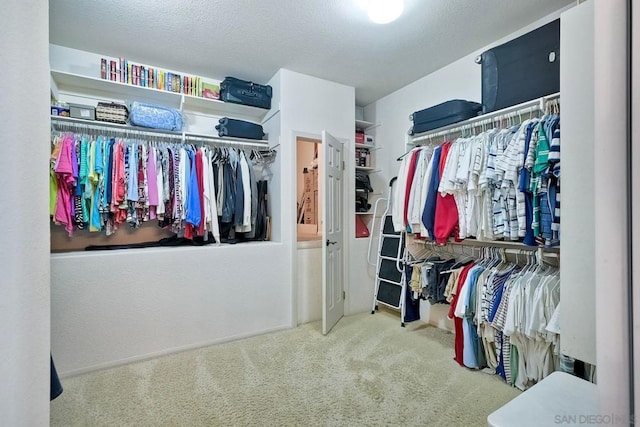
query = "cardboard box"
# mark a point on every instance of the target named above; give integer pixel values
(311, 180)
(308, 182)
(310, 207)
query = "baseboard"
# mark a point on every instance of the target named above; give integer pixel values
(143, 357)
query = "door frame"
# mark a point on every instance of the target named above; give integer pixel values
(295, 134)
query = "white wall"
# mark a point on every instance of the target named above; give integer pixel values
(24, 247)
(635, 119)
(309, 281)
(273, 127)
(578, 162)
(611, 207)
(310, 105)
(119, 306)
(458, 80)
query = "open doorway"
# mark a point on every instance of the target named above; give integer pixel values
(309, 230)
(309, 209)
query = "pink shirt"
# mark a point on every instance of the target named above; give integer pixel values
(152, 182)
(66, 183)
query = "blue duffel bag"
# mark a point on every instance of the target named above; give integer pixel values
(155, 116)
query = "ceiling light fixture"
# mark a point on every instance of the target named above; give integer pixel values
(385, 11)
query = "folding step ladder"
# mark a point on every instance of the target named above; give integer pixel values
(389, 286)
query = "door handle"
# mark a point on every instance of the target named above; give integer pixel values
(330, 242)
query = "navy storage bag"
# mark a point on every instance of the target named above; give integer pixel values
(239, 129)
(239, 91)
(444, 114)
(522, 69)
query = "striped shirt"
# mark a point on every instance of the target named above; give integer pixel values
(554, 159)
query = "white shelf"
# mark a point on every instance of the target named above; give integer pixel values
(100, 88)
(362, 124)
(366, 169)
(370, 147)
(216, 107)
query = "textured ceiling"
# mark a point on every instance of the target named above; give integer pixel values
(330, 39)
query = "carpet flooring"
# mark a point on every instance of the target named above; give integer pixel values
(368, 371)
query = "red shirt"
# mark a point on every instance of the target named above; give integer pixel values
(446, 219)
(200, 176)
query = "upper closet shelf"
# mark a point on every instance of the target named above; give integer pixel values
(100, 88)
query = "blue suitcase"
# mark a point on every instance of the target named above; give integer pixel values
(239, 129)
(522, 69)
(239, 91)
(444, 114)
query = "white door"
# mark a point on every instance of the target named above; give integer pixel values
(332, 231)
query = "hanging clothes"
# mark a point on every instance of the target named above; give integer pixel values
(501, 184)
(99, 183)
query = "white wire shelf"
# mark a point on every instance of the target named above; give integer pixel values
(498, 244)
(519, 110)
(61, 123)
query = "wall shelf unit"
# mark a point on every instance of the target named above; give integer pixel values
(365, 162)
(62, 122)
(200, 115)
(97, 88)
(364, 156)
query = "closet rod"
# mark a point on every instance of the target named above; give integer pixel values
(497, 244)
(515, 110)
(232, 141)
(506, 245)
(126, 129)
(80, 124)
